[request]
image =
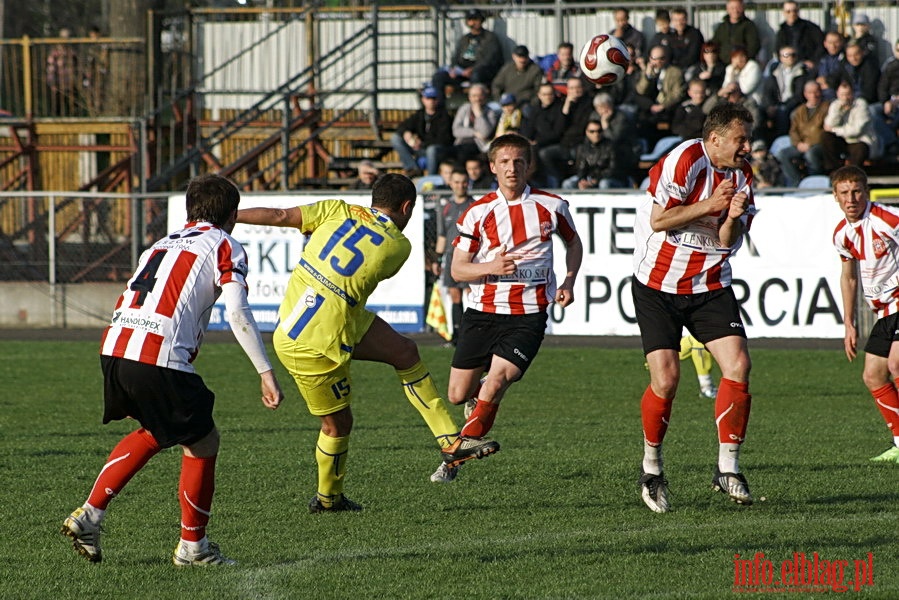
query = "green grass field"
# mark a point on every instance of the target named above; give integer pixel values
(556, 514)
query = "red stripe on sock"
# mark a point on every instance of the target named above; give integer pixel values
(126, 459)
(195, 491)
(732, 411)
(481, 420)
(887, 400)
(655, 412)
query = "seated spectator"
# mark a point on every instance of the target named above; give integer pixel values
(803, 36)
(733, 93)
(625, 32)
(510, 118)
(623, 91)
(782, 91)
(563, 68)
(711, 69)
(660, 88)
(474, 124)
(596, 163)
(830, 65)
(806, 127)
(618, 129)
(366, 175)
(765, 168)
(479, 176)
(689, 116)
(477, 58)
(736, 29)
(848, 130)
(558, 160)
(519, 78)
(545, 125)
(427, 133)
(861, 35)
(888, 97)
(744, 71)
(686, 44)
(861, 71)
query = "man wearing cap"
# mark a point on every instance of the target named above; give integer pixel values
(861, 34)
(426, 133)
(477, 58)
(521, 77)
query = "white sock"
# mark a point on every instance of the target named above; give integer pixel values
(195, 547)
(652, 459)
(705, 381)
(896, 440)
(728, 457)
(94, 515)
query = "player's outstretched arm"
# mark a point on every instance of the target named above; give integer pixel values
(277, 217)
(240, 317)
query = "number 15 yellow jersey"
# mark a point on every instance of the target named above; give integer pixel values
(349, 250)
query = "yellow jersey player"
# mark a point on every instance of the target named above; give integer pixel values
(690, 347)
(323, 325)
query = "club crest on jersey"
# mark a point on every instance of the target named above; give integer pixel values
(879, 246)
(546, 229)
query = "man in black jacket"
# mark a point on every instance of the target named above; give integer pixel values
(803, 36)
(427, 133)
(477, 59)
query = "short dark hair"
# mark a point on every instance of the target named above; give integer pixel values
(568, 45)
(391, 190)
(722, 116)
(510, 140)
(211, 198)
(849, 173)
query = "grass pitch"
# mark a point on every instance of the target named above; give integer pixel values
(556, 514)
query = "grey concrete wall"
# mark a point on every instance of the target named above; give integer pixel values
(35, 304)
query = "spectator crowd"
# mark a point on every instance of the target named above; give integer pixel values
(823, 100)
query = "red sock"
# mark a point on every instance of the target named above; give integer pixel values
(656, 413)
(195, 492)
(887, 400)
(481, 420)
(732, 411)
(126, 459)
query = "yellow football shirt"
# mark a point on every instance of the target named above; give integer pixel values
(349, 250)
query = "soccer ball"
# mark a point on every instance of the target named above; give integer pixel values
(604, 59)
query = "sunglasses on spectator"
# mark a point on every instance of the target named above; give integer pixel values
(594, 130)
(787, 54)
(708, 51)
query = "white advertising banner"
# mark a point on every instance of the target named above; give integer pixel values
(786, 275)
(273, 252)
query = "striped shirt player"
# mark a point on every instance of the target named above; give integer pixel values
(324, 325)
(691, 258)
(161, 317)
(867, 240)
(522, 226)
(147, 355)
(699, 203)
(505, 251)
(873, 241)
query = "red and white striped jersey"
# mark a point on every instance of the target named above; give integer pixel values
(161, 317)
(689, 260)
(525, 226)
(873, 241)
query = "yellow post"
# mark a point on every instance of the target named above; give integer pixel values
(26, 76)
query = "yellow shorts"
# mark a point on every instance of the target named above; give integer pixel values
(323, 383)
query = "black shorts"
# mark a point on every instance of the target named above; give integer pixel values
(882, 336)
(662, 316)
(176, 407)
(516, 338)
